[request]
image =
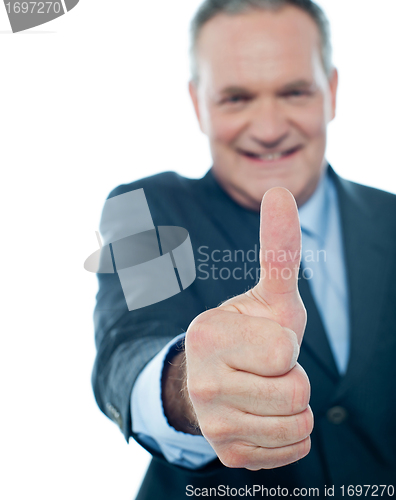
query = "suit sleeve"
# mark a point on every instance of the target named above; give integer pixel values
(126, 340)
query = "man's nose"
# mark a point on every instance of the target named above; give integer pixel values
(269, 126)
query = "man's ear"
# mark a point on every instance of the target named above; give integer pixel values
(333, 82)
(192, 88)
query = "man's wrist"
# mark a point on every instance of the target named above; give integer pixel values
(177, 405)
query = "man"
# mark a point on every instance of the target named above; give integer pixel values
(233, 408)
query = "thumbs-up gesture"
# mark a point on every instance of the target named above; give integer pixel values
(249, 394)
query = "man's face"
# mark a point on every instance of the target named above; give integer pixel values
(264, 101)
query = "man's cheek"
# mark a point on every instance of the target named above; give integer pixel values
(313, 123)
(226, 130)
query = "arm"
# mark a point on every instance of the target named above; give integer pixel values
(216, 347)
(178, 408)
(150, 423)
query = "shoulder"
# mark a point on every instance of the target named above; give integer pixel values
(165, 184)
(375, 198)
(376, 205)
(171, 197)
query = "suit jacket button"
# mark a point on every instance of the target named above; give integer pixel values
(114, 414)
(336, 415)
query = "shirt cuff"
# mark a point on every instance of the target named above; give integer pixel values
(150, 424)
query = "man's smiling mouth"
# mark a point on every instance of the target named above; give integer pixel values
(269, 157)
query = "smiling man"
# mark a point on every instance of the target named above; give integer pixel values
(286, 388)
(264, 98)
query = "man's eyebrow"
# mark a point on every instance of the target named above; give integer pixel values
(234, 90)
(298, 84)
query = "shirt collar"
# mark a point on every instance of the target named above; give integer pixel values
(313, 214)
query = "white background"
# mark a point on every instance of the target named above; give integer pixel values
(93, 99)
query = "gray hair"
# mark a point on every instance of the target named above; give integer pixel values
(211, 8)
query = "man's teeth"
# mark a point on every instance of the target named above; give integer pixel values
(270, 156)
(274, 156)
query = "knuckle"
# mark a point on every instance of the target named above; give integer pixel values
(234, 457)
(217, 432)
(294, 453)
(302, 427)
(202, 391)
(199, 332)
(205, 333)
(282, 354)
(308, 422)
(305, 447)
(301, 392)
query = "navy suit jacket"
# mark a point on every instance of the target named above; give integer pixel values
(354, 438)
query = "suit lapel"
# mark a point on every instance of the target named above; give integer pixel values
(364, 251)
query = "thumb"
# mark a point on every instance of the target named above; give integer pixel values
(276, 295)
(280, 246)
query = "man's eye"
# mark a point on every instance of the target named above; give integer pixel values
(296, 93)
(234, 99)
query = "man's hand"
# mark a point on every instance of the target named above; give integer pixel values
(249, 396)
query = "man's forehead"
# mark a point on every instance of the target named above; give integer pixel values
(251, 45)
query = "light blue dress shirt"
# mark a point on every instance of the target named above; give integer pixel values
(324, 267)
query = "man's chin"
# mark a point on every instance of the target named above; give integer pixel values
(251, 198)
